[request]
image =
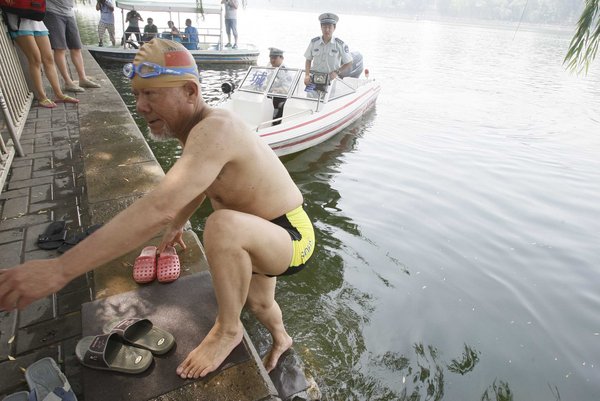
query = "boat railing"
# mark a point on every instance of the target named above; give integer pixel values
(294, 115)
(207, 37)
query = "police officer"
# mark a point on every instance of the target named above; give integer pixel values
(275, 57)
(327, 53)
(280, 85)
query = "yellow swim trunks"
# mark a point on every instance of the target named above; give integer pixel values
(300, 228)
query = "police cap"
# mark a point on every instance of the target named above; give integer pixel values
(274, 52)
(328, 18)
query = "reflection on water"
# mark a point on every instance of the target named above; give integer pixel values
(456, 223)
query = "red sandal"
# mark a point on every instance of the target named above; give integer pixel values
(167, 265)
(144, 267)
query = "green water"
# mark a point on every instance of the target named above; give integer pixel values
(457, 227)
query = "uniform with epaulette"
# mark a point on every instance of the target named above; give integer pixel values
(327, 57)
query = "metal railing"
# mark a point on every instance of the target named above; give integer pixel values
(15, 96)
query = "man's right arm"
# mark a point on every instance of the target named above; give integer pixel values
(307, 65)
(180, 189)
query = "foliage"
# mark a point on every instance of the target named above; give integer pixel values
(584, 45)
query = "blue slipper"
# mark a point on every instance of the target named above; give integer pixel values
(20, 396)
(47, 382)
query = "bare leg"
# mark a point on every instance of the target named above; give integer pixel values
(43, 44)
(61, 63)
(77, 60)
(261, 301)
(34, 61)
(233, 249)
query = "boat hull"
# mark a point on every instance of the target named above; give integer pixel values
(229, 56)
(297, 136)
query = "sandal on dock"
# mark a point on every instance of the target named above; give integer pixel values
(47, 382)
(142, 334)
(167, 265)
(67, 99)
(47, 103)
(107, 352)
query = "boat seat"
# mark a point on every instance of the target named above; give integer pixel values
(253, 110)
(295, 106)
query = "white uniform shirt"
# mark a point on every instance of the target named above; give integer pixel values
(327, 57)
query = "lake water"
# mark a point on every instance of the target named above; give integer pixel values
(457, 224)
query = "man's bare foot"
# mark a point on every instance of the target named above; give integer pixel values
(278, 348)
(209, 355)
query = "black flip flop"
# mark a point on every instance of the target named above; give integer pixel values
(54, 235)
(77, 238)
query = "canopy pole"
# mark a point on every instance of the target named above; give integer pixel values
(123, 26)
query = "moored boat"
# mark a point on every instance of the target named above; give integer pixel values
(309, 115)
(210, 47)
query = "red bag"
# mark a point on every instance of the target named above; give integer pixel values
(30, 9)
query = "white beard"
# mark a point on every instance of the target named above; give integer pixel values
(164, 134)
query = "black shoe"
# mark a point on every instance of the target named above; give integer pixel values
(100, 44)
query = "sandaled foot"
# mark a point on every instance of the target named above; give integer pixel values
(67, 99)
(87, 83)
(47, 103)
(73, 88)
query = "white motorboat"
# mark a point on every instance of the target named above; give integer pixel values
(210, 47)
(310, 114)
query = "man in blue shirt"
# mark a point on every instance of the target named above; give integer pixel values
(190, 36)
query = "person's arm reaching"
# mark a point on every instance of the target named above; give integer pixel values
(168, 203)
(173, 233)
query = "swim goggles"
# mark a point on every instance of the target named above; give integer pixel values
(146, 69)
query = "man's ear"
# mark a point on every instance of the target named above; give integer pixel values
(192, 90)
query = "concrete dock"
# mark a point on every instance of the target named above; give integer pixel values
(84, 164)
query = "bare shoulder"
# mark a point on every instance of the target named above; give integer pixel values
(219, 133)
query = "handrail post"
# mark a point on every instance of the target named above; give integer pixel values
(9, 124)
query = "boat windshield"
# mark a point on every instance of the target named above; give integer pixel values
(287, 82)
(283, 82)
(258, 79)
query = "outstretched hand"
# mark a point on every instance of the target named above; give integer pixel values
(35, 279)
(172, 237)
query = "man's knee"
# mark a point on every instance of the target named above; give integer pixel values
(221, 224)
(258, 306)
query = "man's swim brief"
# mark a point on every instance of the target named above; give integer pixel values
(298, 225)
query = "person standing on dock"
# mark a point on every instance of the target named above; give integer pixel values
(107, 21)
(258, 229)
(231, 7)
(32, 38)
(64, 34)
(327, 53)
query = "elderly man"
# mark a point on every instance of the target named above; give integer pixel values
(258, 229)
(327, 53)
